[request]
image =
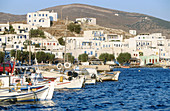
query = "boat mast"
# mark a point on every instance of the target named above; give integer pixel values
(29, 52)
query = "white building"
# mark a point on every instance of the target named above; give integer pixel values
(3, 27)
(21, 28)
(95, 35)
(133, 32)
(90, 21)
(13, 41)
(41, 18)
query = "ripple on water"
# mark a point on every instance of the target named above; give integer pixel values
(148, 89)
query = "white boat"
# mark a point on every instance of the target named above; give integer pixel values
(64, 81)
(69, 83)
(45, 92)
(109, 77)
(103, 76)
(90, 75)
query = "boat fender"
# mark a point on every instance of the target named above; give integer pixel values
(18, 86)
(93, 76)
(61, 78)
(59, 66)
(67, 65)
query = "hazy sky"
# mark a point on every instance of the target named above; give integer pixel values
(156, 8)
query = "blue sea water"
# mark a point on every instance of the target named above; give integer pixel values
(137, 89)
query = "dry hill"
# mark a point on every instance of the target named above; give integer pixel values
(105, 17)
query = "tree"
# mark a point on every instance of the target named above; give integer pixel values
(22, 55)
(36, 33)
(11, 30)
(61, 41)
(2, 55)
(106, 57)
(42, 56)
(123, 57)
(74, 28)
(83, 57)
(12, 52)
(69, 57)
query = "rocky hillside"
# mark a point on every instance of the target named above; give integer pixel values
(114, 19)
(5, 17)
(106, 18)
(58, 29)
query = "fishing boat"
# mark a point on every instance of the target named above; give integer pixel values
(69, 83)
(109, 77)
(125, 66)
(67, 80)
(33, 93)
(90, 75)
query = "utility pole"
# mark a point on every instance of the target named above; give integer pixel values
(65, 39)
(61, 12)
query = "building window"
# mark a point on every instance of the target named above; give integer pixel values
(29, 15)
(85, 52)
(168, 44)
(35, 15)
(19, 27)
(40, 20)
(39, 14)
(25, 36)
(0, 39)
(43, 15)
(44, 43)
(34, 20)
(53, 43)
(96, 54)
(47, 43)
(29, 20)
(20, 37)
(46, 15)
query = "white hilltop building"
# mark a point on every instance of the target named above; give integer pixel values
(133, 32)
(21, 28)
(90, 21)
(41, 18)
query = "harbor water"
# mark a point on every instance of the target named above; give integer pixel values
(136, 89)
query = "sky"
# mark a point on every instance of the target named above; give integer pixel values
(156, 8)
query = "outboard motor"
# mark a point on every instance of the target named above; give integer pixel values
(69, 73)
(69, 78)
(75, 74)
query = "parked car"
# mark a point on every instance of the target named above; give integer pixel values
(8, 67)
